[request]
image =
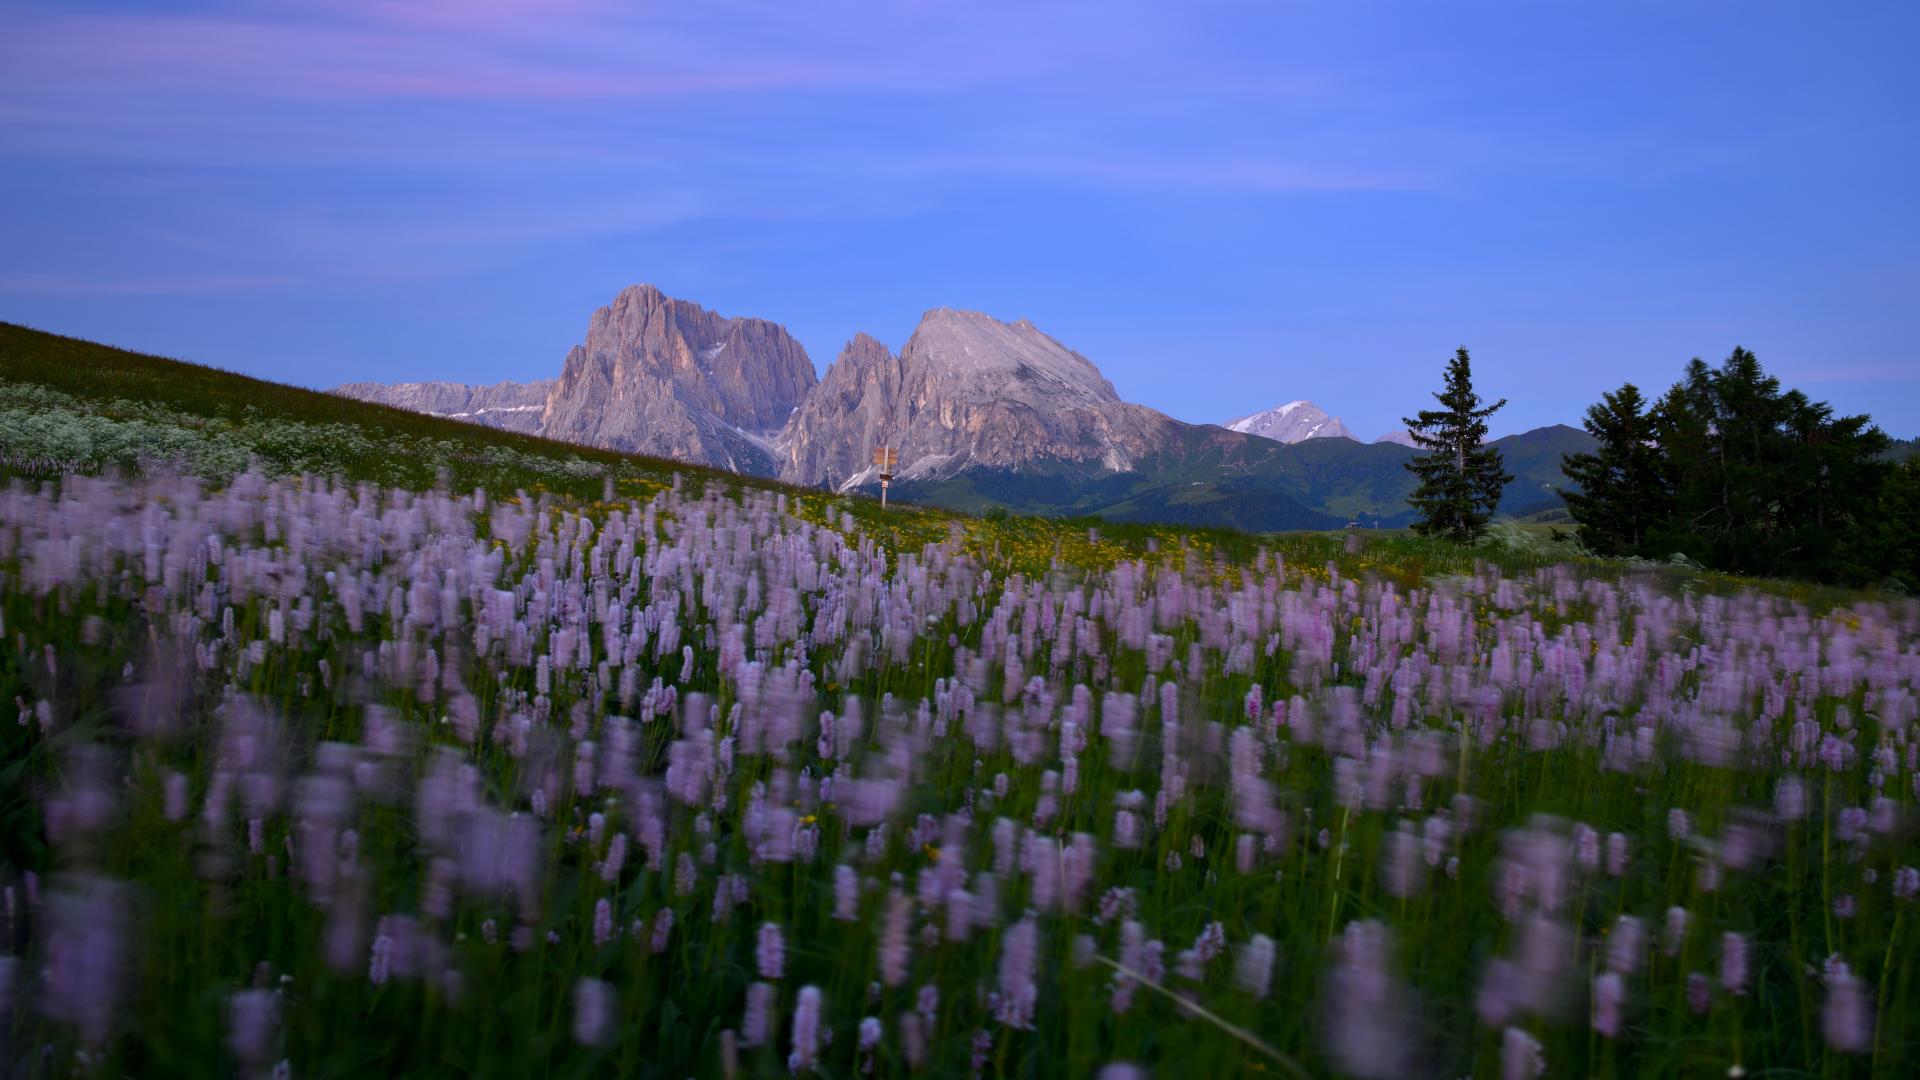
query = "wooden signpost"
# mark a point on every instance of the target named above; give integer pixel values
(886, 457)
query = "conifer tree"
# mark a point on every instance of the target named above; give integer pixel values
(1898, 526)
(1765, 480)
(1460, 479)
(1621, 490)
(1883, 546)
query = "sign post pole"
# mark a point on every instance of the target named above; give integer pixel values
(886, 457)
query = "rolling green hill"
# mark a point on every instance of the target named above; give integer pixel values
(1219, 478)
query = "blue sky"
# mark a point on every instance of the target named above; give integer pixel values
(1225, 206)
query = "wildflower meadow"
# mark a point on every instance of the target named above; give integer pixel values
(309, 778)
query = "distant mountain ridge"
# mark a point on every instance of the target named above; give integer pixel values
(514, 406)
(982, 412)
(1256, 484)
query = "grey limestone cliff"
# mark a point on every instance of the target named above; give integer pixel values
(966, 390)
(655, 375)
(662, 376)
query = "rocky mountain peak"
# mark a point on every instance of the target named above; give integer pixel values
(972, 345)
(856, 407)
(867, 346)
(1295, 421)
(966, 390)
(657, 375)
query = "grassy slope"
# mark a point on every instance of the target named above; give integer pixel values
(103, 373)
(116, 381)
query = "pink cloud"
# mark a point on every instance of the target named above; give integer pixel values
(490, 51)
(453, 14)
(530, 84)
(546, 50)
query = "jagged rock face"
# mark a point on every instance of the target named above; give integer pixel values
(668, 377)
(1402, 436)
(967, 390)
(845, 417)
(515, 406)
(1296, 421)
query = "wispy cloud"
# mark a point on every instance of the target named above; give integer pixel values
(241, 58)
(1251, 173)
(449, 14)
(501, 124)
(508, 50)
(66, 286)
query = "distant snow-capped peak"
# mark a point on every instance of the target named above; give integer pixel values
(1296, 421)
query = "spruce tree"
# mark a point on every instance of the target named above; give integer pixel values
(1460, 479)
(1621, 492)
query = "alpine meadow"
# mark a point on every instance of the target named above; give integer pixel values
(1300, 613)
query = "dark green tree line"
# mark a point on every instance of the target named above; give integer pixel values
(1734, 472)
(1621, 491)
(1891, 543)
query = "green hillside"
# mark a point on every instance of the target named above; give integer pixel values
(73, 405)
(1218, 477)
